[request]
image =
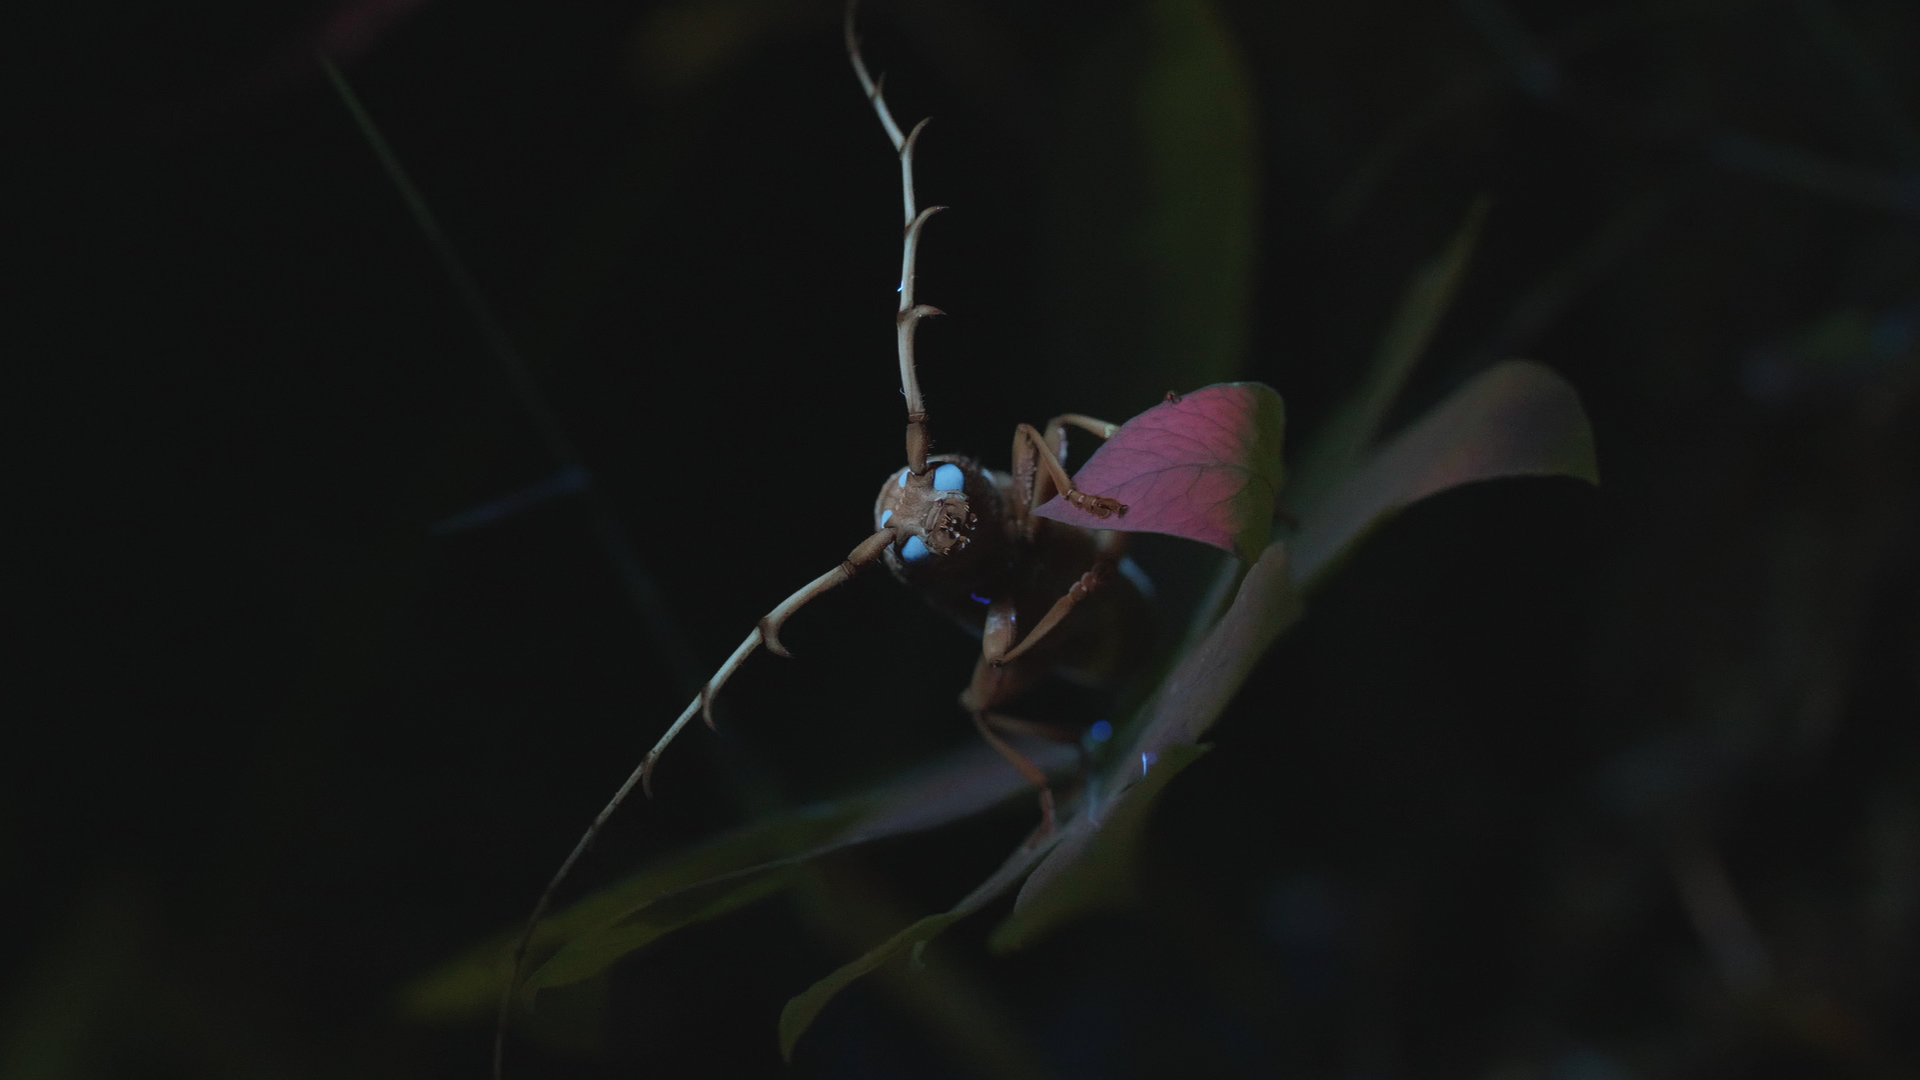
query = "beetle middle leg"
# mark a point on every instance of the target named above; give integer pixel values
(992, 726)
(996, 679)
(1109, 548)
(985, 723)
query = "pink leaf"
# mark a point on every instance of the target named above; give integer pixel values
(1204, 466)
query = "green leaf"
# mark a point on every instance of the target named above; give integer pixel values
(1207, 676)
(599, 948)
(801, 1011)
(1343, 440)
(468, 987)
(1093, 864)
(1514, 419)
(1186, 704)
(718, 877)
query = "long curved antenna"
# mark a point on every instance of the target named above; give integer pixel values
(908, 319)
(872, 88)
(766, 633)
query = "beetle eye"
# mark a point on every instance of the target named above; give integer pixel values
(914, 549)
(949, 478)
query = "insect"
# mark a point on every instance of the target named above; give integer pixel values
(1042, 596)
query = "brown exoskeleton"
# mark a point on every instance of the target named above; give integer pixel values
(1043, 596)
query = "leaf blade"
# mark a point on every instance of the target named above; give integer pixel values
(1204, 466)
(599, 949)
(757, 860)
(1517, 418)
(801, 1010)
(1093, 864)
(1192, 696)
(1345, 437)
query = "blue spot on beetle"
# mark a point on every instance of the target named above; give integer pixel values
(949, 478)
(914, 549)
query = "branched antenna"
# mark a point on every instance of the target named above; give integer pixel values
(910, 314)
(873, 88)
(767, 633)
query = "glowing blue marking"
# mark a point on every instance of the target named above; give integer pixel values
(886, 517)
(903, 477)
(914, 549)
(978, 599)
(949, 478)
(1147, 757)
(1100, 732)
(1132, 572)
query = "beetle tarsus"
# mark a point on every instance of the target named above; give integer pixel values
(1098, 505)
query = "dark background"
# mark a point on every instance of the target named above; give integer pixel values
(1550, 783)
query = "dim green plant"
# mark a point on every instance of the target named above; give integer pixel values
(1292, 527)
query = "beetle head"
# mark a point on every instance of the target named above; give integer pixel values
(929, 512)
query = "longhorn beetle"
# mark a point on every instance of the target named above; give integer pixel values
(969, 539)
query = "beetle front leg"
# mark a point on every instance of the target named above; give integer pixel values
(1038, 473)
(1106, 561)
(1056, 440)
(1057, 431)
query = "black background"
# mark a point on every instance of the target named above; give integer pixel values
(1552, 782)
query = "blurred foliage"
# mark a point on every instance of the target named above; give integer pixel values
(1154, 209)
(1550, 784)
(1515, 420)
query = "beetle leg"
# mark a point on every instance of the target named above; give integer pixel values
(1032, 729)
(1081, 589)
(1000, 631)
(1038, 450)
(1026, 480)
(1106, 560)
(993, 683)
(1057, 431)
(1033, 482)
(985, 723)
